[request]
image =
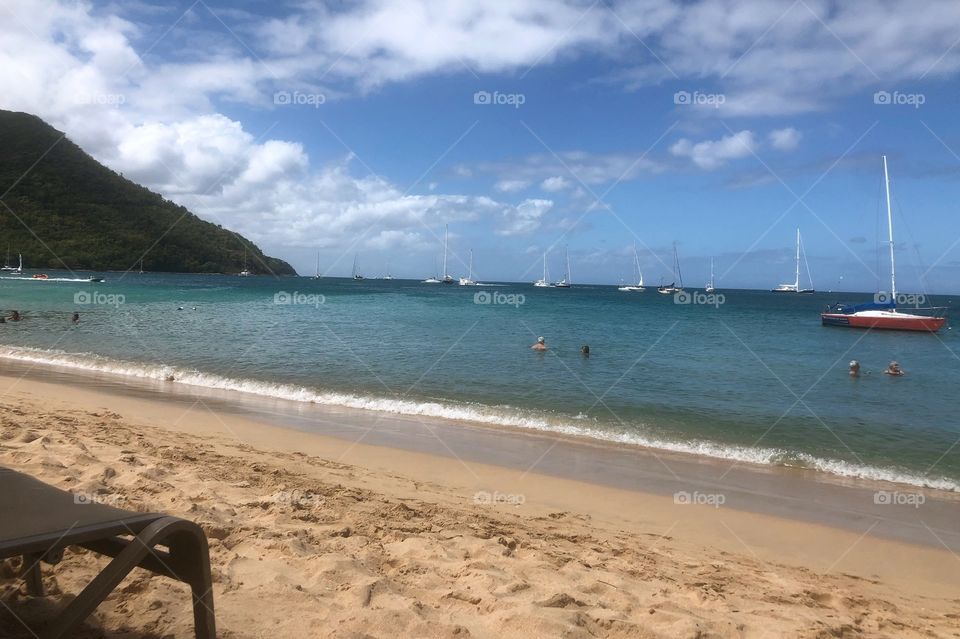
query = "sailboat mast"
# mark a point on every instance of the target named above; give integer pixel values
(893, 267)
(470, 272)
(569, 278)
(797, 280)
(444, 250)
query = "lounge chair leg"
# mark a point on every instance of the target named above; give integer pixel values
(182, 537)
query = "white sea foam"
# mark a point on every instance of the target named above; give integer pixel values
(501, 416)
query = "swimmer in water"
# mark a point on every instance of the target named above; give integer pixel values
(541, 344)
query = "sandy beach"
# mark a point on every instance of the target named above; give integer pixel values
(313, 535)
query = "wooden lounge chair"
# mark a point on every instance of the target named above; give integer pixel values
(37, 521)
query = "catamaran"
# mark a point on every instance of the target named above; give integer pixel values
(710, 287)
(795, 287)
(884, 314)
(672, 287)
(356, 273)
(468, 280)
(566, 281)
(6, 265)
(638, 287)
(544, 282)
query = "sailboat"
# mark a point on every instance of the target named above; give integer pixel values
(6, 264)
(566, 281)
(672, 287)
(317, 276)
(244, 272)
(446, 276)
(356, 272)
(795, 287)
(883, 314)
(710, 288)
(141, 266)
(468, 280)
(543, 282)
(638, 287)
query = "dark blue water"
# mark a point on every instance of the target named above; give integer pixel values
(755, 378)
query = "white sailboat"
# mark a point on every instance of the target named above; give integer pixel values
(446, 276)
(245, 272)
(795, 286)
(710, 287)
(356, 272)
(6, 264)
(673, 287)
(317, 276)
(468, 280)
(638, 287)
(544, 282)
(567, 280)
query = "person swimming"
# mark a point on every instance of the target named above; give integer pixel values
(15, 316)
(541, 344)
(585, 351)
(854, 368)
(894, 369)
(76, 318)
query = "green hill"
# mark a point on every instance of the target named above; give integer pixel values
(76, 213)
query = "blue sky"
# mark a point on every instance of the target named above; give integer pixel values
(596, 146)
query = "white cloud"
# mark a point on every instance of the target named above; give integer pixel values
(785, 139)
(711, 154)
(555, 183)
(524, 218)
(511, 186)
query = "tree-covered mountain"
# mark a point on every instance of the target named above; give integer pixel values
(61, 208)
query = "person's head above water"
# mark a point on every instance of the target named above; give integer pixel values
(541, 344)
(585, 350)
(540, 340)
(854, 367)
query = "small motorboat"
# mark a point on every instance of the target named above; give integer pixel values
(40, 276)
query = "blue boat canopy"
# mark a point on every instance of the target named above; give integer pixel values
(849, 309)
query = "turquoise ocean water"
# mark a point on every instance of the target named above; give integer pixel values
(755, 378)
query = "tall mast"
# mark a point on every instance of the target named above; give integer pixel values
(797, 281)
(569, 279)
(893, 267)
(544, 266)
(444, 250)
(470, 272)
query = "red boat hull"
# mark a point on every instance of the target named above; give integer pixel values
(909, 323)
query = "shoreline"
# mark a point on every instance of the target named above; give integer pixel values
(879, 509)
(155, 376)
(367, 539)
